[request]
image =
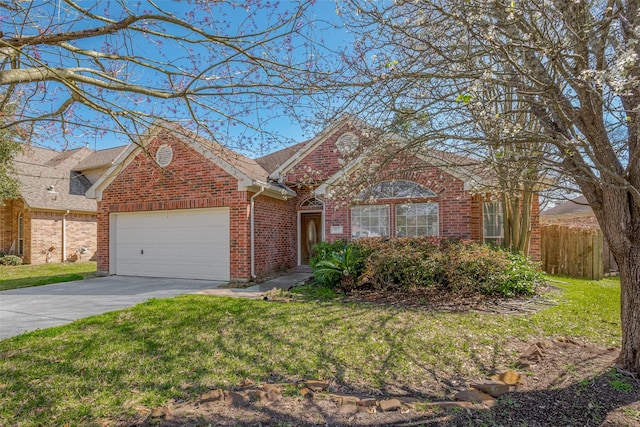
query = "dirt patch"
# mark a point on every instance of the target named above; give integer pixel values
(559, 382)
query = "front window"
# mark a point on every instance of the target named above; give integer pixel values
(493, 223)
(20, 234)
(417, 219)
(369, 221)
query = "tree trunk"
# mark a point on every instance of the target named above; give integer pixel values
(629, 265)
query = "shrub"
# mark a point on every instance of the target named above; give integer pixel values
(341, 268)
(10, 260)
(401, 267)
(471, 267)
(323, 250)
(461, 267)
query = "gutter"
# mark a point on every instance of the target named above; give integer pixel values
(253, 246)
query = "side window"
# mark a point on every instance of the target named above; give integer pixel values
(492, 223)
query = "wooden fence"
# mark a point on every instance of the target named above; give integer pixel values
(573, 251)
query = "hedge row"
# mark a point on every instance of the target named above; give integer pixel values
(461, 267)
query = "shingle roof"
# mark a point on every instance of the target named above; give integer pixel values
(241, 163)
(47, 180)
(576, 207)
(272, 161)
(100, 158)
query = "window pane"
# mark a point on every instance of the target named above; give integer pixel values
(493, 222)
(369, 221)
(397, 189)
(421, 219)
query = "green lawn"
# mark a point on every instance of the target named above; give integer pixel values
(112, 366)
(23, 276)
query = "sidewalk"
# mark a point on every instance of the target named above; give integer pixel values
(286, 281)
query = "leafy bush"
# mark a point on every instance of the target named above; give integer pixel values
(10, 260)
(461, 267)
(323, 250)
(340, 268)
(401, 268)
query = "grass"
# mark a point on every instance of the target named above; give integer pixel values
(112, 367)
(23, 276)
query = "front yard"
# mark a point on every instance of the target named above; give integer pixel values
(23, 276)
(113, 369)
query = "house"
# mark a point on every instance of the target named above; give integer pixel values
(52, 220)
(178, 205)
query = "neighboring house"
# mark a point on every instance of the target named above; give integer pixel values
(52, 220)
(177, 205)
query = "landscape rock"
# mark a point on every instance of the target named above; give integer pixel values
(390, 405)
(533, 353)
(348, 409)
(317, 385)
(212, 396)
(367, 402)
(408, 400)
(490, 387)
(234, 398)
(474, 396)
(306, 392)
(507, 377)
(161, 412)
(343, 399)
(273, 396)
(256, 395)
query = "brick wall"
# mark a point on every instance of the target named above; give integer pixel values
(275, 235)
(189, 181)
(46, 231)
(455, 204)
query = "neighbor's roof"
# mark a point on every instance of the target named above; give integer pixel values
(47, 179)
(100, 158)
(576, 207)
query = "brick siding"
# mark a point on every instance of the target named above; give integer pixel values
(43, 230)
(189, 181)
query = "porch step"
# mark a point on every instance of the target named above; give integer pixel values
(301, 269)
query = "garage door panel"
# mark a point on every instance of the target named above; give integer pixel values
(182, 243)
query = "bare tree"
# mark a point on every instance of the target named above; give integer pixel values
(573, 67)
(83, 68)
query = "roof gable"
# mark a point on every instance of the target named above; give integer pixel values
(247, 171)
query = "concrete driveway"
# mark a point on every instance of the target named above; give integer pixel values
(40, 307)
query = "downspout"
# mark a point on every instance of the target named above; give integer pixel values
(64, 236)
(253, 257)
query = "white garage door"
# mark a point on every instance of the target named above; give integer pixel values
(190, 244)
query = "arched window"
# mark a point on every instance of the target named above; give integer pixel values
(396, 189)
(20, 249)
(312, 203)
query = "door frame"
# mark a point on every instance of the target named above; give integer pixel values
(299, 239)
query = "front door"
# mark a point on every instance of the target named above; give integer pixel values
(310, 234)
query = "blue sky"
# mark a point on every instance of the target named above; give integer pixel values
(322, 14)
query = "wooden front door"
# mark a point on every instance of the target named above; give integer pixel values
(310, 234)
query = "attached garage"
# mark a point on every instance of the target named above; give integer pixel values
(183, 243)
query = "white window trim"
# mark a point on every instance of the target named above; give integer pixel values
(423, 203)
(388, 209)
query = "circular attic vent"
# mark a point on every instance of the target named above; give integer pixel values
(347, 143)
(164, 155)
